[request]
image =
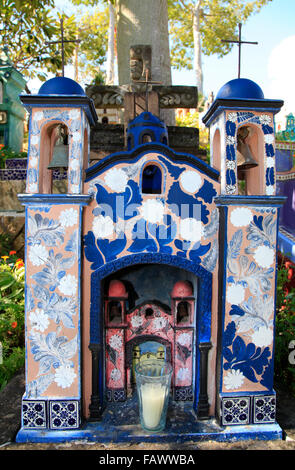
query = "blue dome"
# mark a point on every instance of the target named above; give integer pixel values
(61, 86)
(240, 89)
(146, 128)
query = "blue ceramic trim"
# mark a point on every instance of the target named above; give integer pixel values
(286, 246)
(138, 152)
(99, 432)
(82, 199)
(266, 201)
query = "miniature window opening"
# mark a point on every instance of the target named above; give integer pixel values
(245, 159)
(1, 136)
(1, 92)
(152, 180)
(183, 312)
(60, 156)
(149, 313)
(146, 138)
(115, 312)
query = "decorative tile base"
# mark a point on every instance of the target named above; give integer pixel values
(34, 414)
(116, 395)
(264, 409)
(259, 409)
(235, 410)
(183, 394)
(64, 414)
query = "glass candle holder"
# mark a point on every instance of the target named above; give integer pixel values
(153, 379)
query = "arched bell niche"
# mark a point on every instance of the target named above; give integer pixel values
(54, 157)
(250, 160)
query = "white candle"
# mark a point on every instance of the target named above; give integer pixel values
(153, 397)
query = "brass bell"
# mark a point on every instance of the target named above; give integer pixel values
(60, 155)
(245, 159)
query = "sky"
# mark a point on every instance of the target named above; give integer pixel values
(270, 64)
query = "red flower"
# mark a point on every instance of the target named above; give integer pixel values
(12, 253)
(14, 324)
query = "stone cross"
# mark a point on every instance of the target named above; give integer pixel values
(239, 42)
(142, 93)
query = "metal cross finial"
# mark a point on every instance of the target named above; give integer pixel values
(62, 41)
(147, 82)
(239, 42)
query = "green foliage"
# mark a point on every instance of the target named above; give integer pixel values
(27, 26)
(285, 324)
(12, 285)
(10, 365)
(218, 20)
(6, 152)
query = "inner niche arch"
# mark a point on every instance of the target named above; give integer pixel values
(203, 325)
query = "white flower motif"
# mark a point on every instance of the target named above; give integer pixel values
(190, 181)
(235, 294)
(230, 140)
(76, 136)
(270, 190)
(33, 162)
(230, 188)
(265, 119)
(234, 379)
(39, 320)
(241, 217)
(68, 285)
(74, 165)
(159, 323)
(116, 342)
(152, 210)
(38, 255)
(270, 162)
(230, 164)
(64, 376)
(74, 114)
(38, 116)
(33, 188)
(232, 117)
(137, 321)
(191, 229)
(68, 217)
(264, 256)
(34, 140)
(269, 138)
(115, 375)
(184, 339)
(116, 179)
(263, 336)
(183, 373)
(103, 226)
(75, 188)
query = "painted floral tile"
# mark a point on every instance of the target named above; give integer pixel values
(182, 220)
(250, 304)
(52, 305)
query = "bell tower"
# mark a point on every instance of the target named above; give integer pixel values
(242, 139)
(59, 132)
(60, 119)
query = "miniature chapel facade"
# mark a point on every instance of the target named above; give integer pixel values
(150, 253)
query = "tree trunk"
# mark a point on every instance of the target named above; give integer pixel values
(146, 23)
(110, 65)
(143, 22)
(197, 46)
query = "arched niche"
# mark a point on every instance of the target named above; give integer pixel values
(253, 178)
(216, 152)
(48, 139)
(152, 179)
